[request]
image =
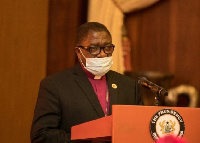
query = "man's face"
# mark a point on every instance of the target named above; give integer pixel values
(100, 39)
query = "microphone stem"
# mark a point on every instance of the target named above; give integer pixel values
(157, 100)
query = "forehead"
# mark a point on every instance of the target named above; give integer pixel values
(99, 38)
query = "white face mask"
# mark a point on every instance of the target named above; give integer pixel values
(97, 66)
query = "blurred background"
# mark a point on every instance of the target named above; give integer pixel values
(158, 39)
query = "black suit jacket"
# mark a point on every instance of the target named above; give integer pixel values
(67, 98)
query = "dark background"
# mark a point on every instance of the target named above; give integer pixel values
(164, 38)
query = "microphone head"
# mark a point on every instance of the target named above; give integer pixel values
(154, 88)
(141, 80)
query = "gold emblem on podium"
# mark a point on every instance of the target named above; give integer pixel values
(165, 122)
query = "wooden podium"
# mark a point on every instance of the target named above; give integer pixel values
(131, 124)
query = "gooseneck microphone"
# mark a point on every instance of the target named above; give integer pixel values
(152, 86)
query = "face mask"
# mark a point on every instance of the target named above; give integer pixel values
(97, 66)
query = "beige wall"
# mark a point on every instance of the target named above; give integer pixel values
(23, 38)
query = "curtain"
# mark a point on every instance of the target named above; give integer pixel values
(111, 14)
(132, 5)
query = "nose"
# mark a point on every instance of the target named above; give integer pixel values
(101, 54)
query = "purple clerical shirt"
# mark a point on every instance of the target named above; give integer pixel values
(100, 88)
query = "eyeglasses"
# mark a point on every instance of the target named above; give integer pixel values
(95, 50)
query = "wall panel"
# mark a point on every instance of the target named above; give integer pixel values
(23, 38)
(64, 18)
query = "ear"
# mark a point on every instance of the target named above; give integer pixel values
(77, 50)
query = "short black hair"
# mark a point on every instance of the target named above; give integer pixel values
(85, 28)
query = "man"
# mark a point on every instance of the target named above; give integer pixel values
(84, 92)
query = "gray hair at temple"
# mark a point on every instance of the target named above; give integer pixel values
(84, 30)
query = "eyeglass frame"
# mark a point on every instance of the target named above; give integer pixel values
(101, 47)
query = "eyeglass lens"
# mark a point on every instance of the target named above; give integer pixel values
(97, 50)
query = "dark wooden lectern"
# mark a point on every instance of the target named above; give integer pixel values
(130, 124)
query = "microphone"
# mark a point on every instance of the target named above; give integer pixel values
(154, 88)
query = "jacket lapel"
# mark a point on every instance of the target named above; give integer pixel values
(113, 89)
(87, 89)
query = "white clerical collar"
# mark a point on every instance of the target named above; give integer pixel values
(97, 77)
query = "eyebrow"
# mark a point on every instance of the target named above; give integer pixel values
(97, 44)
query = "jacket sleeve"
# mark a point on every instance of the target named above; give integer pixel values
(139, 100)
(47, 117)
